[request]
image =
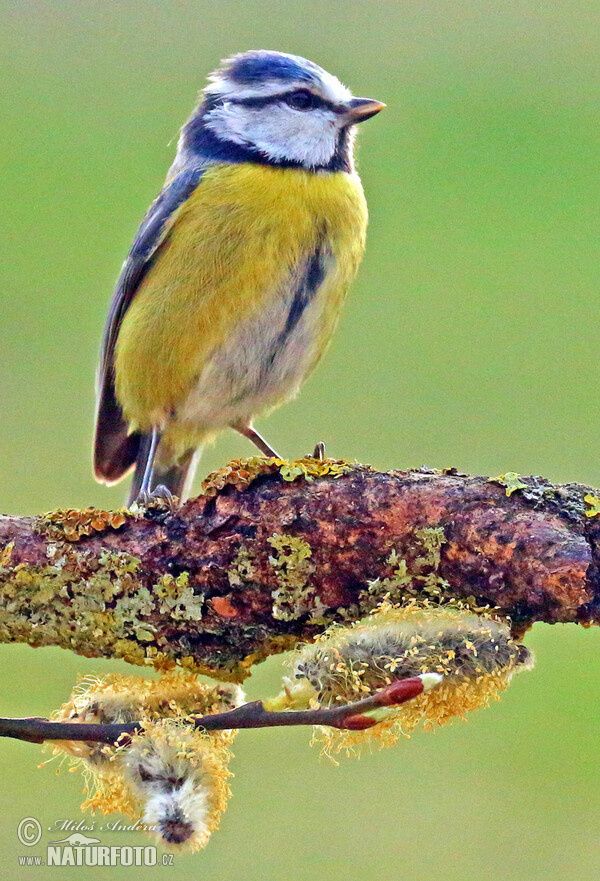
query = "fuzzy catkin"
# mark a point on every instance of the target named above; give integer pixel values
(475, 654)
(116, 698)
(170, 777)
(394, 645)
(177, 777)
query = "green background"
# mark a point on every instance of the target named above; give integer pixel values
(469, 339)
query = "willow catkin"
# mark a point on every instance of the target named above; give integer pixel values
(177, 776)
(170, 776)
(475, 654)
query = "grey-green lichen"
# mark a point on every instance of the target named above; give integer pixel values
(177, 599)
(291, 561)
(431, 539)
(568, 500)
(415, 578)
(243, 568)
(94, 604)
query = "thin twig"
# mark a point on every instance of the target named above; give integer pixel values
(352, 716)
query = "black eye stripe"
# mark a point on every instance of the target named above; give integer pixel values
(279, 98)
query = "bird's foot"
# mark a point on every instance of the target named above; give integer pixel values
(160, 497)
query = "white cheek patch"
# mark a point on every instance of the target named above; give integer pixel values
(229, 123)
(280, 132)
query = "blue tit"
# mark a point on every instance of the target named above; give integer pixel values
(234, 283)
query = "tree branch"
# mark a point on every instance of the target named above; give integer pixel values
(274, 551)
(353, 716)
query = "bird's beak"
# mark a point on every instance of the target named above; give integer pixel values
(360, 109)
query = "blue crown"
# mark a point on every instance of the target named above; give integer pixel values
(260, 65)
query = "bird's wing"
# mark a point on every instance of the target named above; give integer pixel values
(115, 449)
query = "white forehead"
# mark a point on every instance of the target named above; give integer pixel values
(225, 83)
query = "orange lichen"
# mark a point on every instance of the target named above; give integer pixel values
(223, 607)
(240, 473)
(71, 524)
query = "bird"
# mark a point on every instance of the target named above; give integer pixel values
(233, 285)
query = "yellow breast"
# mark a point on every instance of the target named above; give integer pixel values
(230, 248)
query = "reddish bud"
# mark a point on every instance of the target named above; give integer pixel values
(400, 691)
(358, 722)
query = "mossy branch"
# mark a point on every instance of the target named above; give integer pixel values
(274, 551)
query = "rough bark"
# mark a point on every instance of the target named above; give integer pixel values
(275, 551)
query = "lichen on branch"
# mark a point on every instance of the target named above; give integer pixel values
(273, 552)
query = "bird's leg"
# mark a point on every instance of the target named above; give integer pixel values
(146, 484)
(257, 440)
(146, 493)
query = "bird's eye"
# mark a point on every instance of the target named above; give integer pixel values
(301, 99)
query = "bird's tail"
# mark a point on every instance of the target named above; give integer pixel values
(177, 477)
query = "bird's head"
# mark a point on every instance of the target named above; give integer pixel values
(278, 109)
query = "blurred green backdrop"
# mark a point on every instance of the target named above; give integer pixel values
(470, 339)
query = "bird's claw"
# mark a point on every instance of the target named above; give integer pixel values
(160, 497)
(319, 452)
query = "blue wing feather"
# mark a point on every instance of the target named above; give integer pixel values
(115, 449)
